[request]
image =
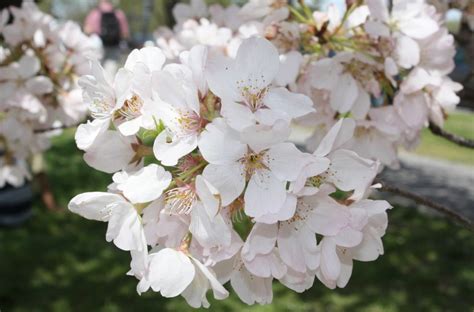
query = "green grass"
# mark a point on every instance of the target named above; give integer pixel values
(433, 146)
(61, 262)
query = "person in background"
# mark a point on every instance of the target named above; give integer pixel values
(111, 25)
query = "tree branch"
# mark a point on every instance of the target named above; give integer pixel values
(428, 203)
(436, 130)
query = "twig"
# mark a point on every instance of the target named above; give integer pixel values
(428, 203)
(54, 128)
(436, 130)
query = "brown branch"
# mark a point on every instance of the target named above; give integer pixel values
(428, 203)
(436, 130)
(53, 128)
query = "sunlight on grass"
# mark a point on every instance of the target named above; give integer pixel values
(460, 123)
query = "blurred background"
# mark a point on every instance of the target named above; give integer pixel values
(57, 261)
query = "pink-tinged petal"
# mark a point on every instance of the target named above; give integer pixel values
(286, 161)
(316, 166)
(196, 59)
(122, 85)
(348, 237)
(94, 205)
(141, 84)
(370, 248)
(326, 72)
(39, 85)
(268, 117)
(238, 116)
(348, 171)
(195, 293)
(260, 137)
(222, 78)
(286, 212)
(346, 270)
(170, 272)
(417, 80)
(344, 94)
(265, 194)
(219, 291)
(269, 265)
(219, 255)
(407, 52)
(297, 281)
(224, 269)
(376, 29)
(145, 185)
(390, 69)
(339, 134)
(289, 68)
(359, 218)
(290, 245)
(152, 57)
(183, 76)
(412, 109)
(260, 241)
(361, 105)
(29, 65)
(229, 180)
(130, 127)
(169, 153)
(208, 195)
(372, 206)
(7, 89)
(110, 153)
(171, 90)
(358, 16)
(328, 217)
(209, 232)
(87, 134)
(150, 219)
(330, 263)
(292, 104)
(257, 62)
(125, 228)
(378, 9)
(219, 144)
(171, 229)
(419, 27)
(250, 288)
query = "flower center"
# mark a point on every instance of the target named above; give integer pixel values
(253, 162)
(277, 4)
(180, 200)
(100, 109)
(365, 74)
(189, 122)
(131, 108)
(252, 95)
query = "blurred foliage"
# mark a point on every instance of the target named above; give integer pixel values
(61, 262)
(460, 123)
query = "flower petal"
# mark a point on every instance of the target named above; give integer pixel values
(145, 185)
(93, 205)
(265, 194)
(170, 272)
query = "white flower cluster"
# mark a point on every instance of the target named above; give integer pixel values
(40, 61)
(206, 186)
(386, 68)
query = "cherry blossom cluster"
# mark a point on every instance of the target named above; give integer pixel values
(385, 66)
(207, 188)
(40, 61)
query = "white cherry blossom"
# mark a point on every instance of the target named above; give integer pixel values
(244, 86)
